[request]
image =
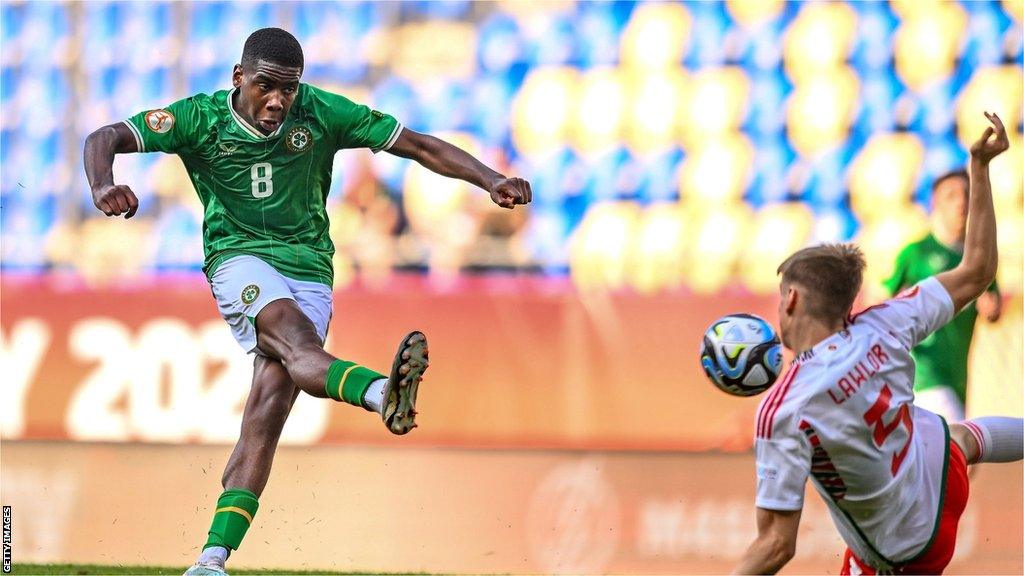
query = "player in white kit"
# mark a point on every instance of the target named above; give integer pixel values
(894, 476)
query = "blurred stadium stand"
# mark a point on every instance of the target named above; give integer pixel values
(669, 145)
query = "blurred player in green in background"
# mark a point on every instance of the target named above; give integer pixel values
(940, 384)
(260, 156)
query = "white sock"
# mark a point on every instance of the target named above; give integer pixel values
(374, 397)
(218, 554)
(1000, 438)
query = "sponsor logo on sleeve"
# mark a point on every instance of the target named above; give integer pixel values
(159, 121)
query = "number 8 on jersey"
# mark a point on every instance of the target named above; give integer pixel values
(262, 185)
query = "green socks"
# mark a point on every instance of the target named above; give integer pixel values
(348, 381)
(235, 509)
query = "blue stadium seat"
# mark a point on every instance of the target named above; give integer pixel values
(500, 44)
(398, 98)
(447, 107)
(879, 91)
(659, 175)
(179, 244)
(773, 159)
(141, 55)
(556, 44)
(766, 117)
(547, 238)
(872, 52)
(826, 183)
(491, 109)
(598, 28)
(708, 34)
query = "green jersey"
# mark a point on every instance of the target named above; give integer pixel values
(265, 195)
(941, 358)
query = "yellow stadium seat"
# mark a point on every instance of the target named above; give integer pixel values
(716, 240)
(884, 174)
(820, 110)
(543, 109)
(714, 103)
(998, 89)
(1015, 8)
(718, 172)
(751, 14)
(779, 230)
(430, 199)
(524, 12)
(818, 40)
(883, 238)
(599, 248)
(654, 109)
(424, 51)
(928, 43)
(96, 249)
(1010, 234)
(598, 117)
(1007, 177)
(657, 250)
(656, 36)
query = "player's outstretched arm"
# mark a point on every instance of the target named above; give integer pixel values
(100, 148)
(981, 256)
(448, 160)
(775, 544)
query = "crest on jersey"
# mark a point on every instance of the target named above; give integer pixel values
(250, 293)
(159, 121)
(298, 139)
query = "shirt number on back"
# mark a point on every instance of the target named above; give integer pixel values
(262, 185)
(874, 417)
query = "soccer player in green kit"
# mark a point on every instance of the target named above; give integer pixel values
(940, 382)
(260, 157)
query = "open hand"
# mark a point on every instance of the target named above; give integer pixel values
(985, 149)
(511, 191)
(114, 200)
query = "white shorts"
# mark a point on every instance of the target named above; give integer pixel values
(244, 285)
(942, 401)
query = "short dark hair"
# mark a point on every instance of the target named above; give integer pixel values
(273, 45)
(832, 273)
(961, 173)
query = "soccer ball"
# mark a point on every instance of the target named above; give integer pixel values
(741, 354)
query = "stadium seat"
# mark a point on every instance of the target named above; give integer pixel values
(620, 113)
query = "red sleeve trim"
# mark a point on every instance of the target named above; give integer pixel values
(766, 415)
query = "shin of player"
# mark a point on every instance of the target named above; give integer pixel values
(892, 474)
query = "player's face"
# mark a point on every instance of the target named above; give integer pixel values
(266, 93)
(950, 203)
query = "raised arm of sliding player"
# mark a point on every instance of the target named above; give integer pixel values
(978, 268)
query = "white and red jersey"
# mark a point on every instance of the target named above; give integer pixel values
(844, 415)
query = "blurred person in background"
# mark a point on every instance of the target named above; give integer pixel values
(260, 156)
(365, 223)
(940, 379)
